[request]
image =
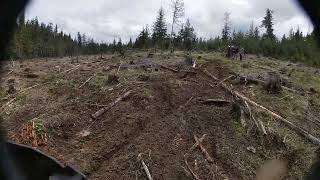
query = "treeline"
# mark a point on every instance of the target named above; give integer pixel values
(33, 39)
(37, 40)
(294, 47)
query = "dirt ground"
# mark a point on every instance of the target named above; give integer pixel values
(160, 117)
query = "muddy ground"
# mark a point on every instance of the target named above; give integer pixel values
(160, 117)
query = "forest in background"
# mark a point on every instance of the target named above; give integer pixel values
(34, 39)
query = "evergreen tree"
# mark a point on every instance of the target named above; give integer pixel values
(267, 23)
(79, 39)
(159, 30)
(130, 44)
(188, 36)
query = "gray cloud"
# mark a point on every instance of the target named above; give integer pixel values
(105, 20)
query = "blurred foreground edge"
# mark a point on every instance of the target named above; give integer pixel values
(36, 165)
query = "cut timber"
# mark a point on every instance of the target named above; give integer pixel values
(87, 81)
(145, 167)
(285, 121)
(216, 102)
(169, 68)
(204, 151)
(105, 109)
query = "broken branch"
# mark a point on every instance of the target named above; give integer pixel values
(189, 168)
(225, 79)
(145, 167)
(105, 109)
(197, 142)
(72, 69)
(86, 81)
(204, 151)
(3, 108)
(258, 123)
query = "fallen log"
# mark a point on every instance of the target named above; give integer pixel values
(299, 130)
(105, 109)
(145, 167)
(216, 102)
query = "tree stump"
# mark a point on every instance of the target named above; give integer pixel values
(113, 79)
(11, 89)
(150, 55)
(273, 83)
(189, 60)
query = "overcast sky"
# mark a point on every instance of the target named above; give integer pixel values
(105, 20)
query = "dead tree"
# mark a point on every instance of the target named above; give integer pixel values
(178, 13)
(273, 83)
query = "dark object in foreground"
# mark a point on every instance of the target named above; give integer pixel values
(113, 79)
(33, 164)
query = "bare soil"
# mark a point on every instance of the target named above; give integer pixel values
(159, 119)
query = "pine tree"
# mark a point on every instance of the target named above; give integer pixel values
(188, 36)
(159, 29)
(130, 43)
(251, 30)
(267, 23)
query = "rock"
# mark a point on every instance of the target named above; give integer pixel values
(84, 133)
(252, 149)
